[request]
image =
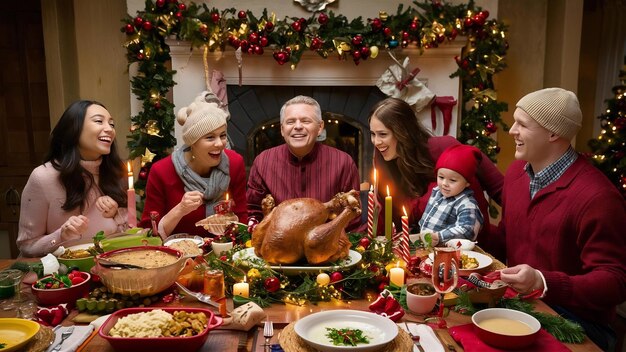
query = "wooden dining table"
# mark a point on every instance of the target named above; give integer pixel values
(223, 339)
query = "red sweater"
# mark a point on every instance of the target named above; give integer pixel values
(488, 178)
(165, 189)
(573, 232)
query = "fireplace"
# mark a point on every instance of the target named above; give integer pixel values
(346, 93)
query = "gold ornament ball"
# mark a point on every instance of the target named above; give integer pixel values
(373, 51)
(323, 279)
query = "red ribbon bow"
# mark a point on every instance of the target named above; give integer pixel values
(52, 316)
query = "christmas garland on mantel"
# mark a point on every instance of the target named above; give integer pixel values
(425, 25)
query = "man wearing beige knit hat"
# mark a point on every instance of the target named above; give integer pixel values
(185, 187)
(563, 220)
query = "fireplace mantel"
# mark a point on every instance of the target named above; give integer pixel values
(435, 65)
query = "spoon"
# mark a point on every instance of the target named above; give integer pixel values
(111, 264)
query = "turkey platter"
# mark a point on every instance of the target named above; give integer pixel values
(305, 229)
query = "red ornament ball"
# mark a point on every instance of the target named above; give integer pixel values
(215, 17)
(182, 7)
(140, 56)
(138, 21)
(316, 43)
(365, 242)
(297, 26)
(468, 22)
(160, 3)
(264, 41)
(269, 26)
(357, 40)
(157, 105)
(129, 29)
(413, 26)
(365, 52)
(387, 31)
(143, 175)
(147, 25)
(178, 15)
(242, 14)
(491, 127)
(253, 37)
(336, 276)
(272, 284)
(322, 18)
(376, 24)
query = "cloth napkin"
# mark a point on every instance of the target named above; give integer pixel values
(244, 317)
(387, 306)
(428, 339)
(465, 335)
(80, 334)
(51, 316)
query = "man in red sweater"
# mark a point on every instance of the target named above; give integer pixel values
(563, 219)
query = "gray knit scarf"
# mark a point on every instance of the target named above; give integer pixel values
(212, 187)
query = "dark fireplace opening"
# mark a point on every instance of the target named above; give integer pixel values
(255, 112)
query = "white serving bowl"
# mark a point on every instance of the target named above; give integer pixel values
(312, 329)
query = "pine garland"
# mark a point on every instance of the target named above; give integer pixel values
(424, 25)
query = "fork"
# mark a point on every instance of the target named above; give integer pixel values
(268, 332)
(64, 335)
(415, 338)
(199, 296)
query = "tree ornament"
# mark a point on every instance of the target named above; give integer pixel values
(468, 23)
(253, 37)
(383, 16)
(157, 104)
(147, 157)
(393, 44)
(373, 51)
(387, 31)
(414, 26)
(215, 17)
(242, 14)
(297, 26)
(322, 18)
(269, 27)
(264, 41)
(178, 15)
(204, 29)
(316, 43)
(138, 21)
(152, 128)
(357, 40)
(143, 174)
(182, 7)
(147, 25)
(160, 3)
(272, 284)
(365, 52)
(491, 127)
(140, 56)
(129, 29)
(282, 56)
(322, 279)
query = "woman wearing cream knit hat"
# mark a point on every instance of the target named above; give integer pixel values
(563, 220)
(185, 186)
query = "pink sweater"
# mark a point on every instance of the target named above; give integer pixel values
(41, 215)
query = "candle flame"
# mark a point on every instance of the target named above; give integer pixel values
(404, 210)
(388, 193)
(244, 278)
(226, 195)
(130, 168)
(375, 175)
(398, 264)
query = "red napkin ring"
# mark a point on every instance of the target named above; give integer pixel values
(52, 316)
(387, 306)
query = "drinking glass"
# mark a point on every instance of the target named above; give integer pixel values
(214, 283)
(445, 271)
(10, 286)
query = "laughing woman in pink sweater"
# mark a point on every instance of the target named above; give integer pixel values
(78, 191)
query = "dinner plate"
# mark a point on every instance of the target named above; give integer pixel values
(15, 332)
(181, 237)
(378, 329)
(483, 262)
(353, 258)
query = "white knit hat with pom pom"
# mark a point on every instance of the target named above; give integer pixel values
(200, 118)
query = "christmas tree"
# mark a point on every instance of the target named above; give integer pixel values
(609, 148)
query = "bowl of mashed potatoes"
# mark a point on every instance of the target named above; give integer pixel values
(143, 270)
(505, 328)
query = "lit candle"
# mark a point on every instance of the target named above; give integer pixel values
(241, 289)
(396, 275)
(388, 212)
(131, 207)
(370, 212)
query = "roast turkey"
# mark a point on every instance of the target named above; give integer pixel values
(305, 229)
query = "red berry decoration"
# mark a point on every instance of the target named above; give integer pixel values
(272, 284)
(157, 105)
(129, 29)
(484, 14)
(316, 43)
(387, 31)
(491, 127)
(365, 53)
(296, 26)
(365, 242)
(253, 37)
(242, 15)
(147, 25)
(160, 3)
(281, 56)
(264, 41)
(269, 26)
(258, 50)
(479, 20)
(468, 22)
(143, 175)
(322, 18)
(413, 26)
(140, 56)
(215, 17)
(178, 15)
(182, 7)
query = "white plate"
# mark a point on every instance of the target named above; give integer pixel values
(312, 329)
(353, 258)
(483, 262)
(195, 239)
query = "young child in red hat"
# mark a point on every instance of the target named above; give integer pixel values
(452, 211)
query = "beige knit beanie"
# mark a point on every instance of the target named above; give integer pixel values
(556, 109)
(200, 118)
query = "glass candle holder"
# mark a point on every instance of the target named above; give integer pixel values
(10, 280)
